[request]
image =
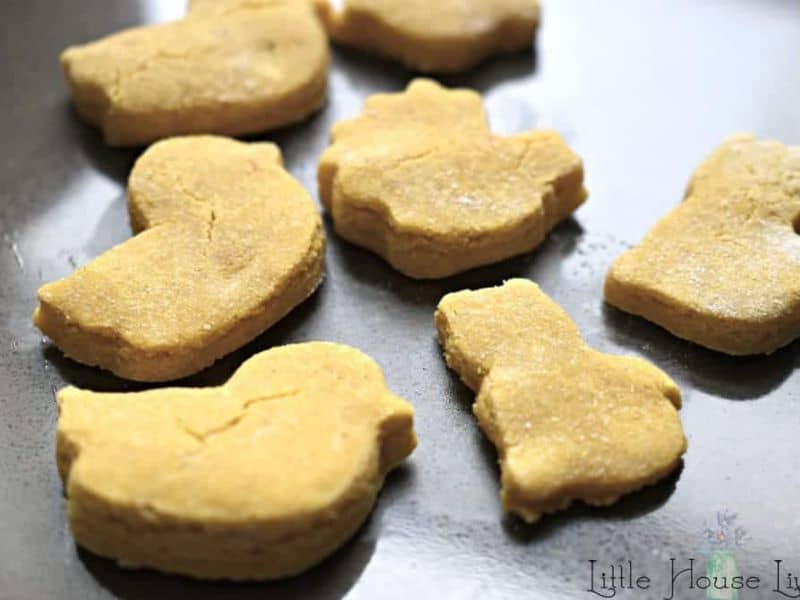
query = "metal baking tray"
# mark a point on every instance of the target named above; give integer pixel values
(643, 90)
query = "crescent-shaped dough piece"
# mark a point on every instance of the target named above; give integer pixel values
(229, 244)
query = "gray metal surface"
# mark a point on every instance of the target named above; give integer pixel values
(643, 90)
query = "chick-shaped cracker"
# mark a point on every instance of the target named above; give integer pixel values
(420, 179)
(440, 36)
(230, 67)
(723, 268)
(261, 478)
(569, 422)
(229, 243)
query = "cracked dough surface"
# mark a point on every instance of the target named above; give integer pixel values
(261, 478)
(723, 268)
(230, 67)
(440, 36)
(569, 422)
(229, 244)
(398, 181)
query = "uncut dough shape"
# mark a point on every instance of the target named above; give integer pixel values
(723, 268)
(441, 36)
(569, 422)
(420, 179)
(230, 67)
(261, 478)
(229, 244)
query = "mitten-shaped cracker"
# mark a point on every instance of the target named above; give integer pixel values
(230, 243)
(723, 268)
(420, 179)
(441, 36)
(230, 67)
(261, 478)
(568, 422)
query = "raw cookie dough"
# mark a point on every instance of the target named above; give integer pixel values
(230, 67)
(232, 244)
(723, 268)
(439, 36)
(420, 179)
(568, 422)
(261, 478)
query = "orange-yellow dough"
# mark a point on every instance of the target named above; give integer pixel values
(420, 179)
(723, 268)
(230, 243)
(432, 36)
(569, 422)
(261, 478)
(230, 67)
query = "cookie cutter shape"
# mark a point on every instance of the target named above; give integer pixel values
(261, 478)
(230, 67)
(723, 268)
(441, 36)
(569, 422)
(420, 179)
(229, 244)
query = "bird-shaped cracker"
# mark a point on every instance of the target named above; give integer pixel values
(260, 478)
(421, 180)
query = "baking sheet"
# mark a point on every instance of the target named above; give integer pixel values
(643, 90)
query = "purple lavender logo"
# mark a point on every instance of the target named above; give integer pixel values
(720, 539)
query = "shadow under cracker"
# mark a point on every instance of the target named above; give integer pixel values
(464, 401)
(332, 579)
(715, 373)
(495, 70)
(99, 380)
(361, 66)
(368, 268)
(114, 162)
(629, 507)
